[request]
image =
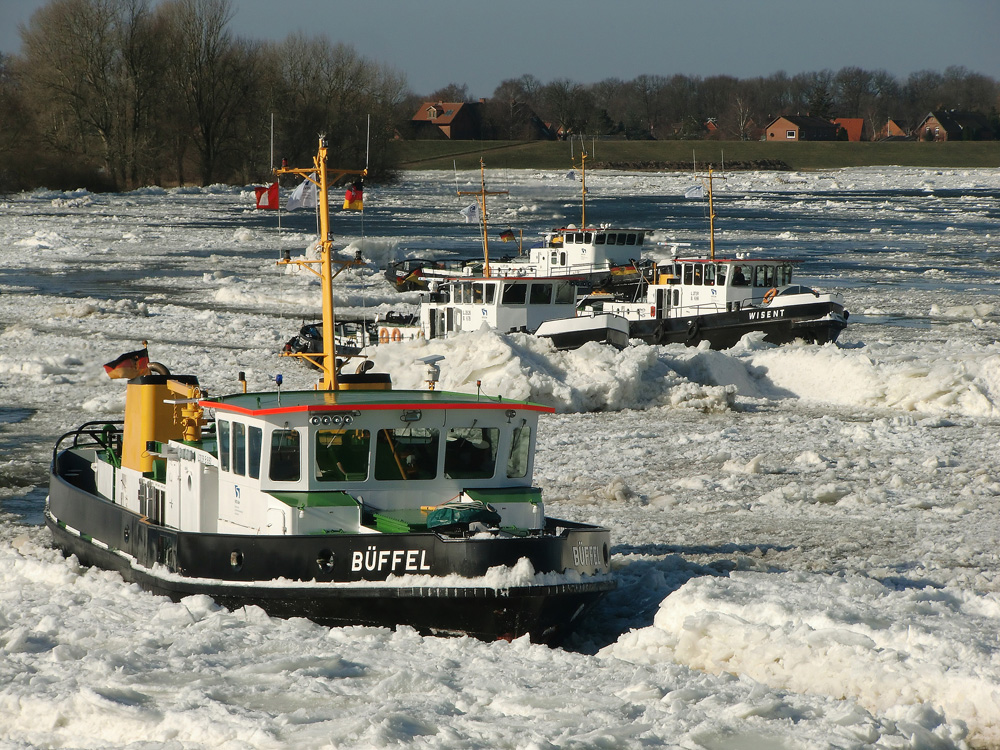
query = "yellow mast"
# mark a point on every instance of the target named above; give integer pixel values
(482, 193)
(711, 218)
(583, 183)
(320, 177)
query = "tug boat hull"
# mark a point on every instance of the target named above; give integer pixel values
(818, 323)
(341, 579)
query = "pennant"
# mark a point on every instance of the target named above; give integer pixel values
(471, 213)
(507, 235)
(698, 191)
(267, 197)
(304, 196)
(132, 365)
(354, 197)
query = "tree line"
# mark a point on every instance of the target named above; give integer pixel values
(680, 106)
(116, 94)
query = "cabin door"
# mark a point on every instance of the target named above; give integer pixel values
(662, 303)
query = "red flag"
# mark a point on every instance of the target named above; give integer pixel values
(267, 197)
(130, 365)
(354, 197)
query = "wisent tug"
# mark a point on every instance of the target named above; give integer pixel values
(348, 504)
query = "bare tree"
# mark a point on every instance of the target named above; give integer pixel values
(96, 65)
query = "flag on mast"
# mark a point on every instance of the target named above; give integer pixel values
(354, 197)
(507, 235)
(304, 196)
(267, 197)
(129, 365)
(471, 213)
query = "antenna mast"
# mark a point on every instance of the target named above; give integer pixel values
(481, 195)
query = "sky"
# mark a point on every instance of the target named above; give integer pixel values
(480, 44)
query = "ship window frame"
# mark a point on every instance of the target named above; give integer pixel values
(281, 455)
(424, 453)
(698, 271)
(223, 431)
(565, 293)
(463, 459)
(688, 271)
(510, 297)
(327, 463)
(540, 293)
(708, 274)
(255, 445)
(630, 238)
(239, 449)
(519, 456)
(599, 238)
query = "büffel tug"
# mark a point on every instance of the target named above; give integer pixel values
(349, 504)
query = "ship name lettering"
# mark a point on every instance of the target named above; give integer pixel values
(585, 555)
(765, 314)
(389, 561)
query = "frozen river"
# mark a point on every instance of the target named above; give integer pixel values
(805, 537)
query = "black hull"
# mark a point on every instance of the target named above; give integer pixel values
(338, 579)
(575, 339)
(781, 325)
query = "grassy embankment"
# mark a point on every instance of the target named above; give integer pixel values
(797, 156)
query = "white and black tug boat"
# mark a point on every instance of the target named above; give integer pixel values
(688, 300)
(349, 504)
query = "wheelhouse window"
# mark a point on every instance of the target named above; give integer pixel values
(784, 274)
(742, 275)
(224, 442)
(688, 273)
(342, 455)
(565, 293)
(720, 274)
(698, 273)
(514, 294)
(255, 444)
(406, 453)
(599, 239)
(541, 294)
(239, 448)
(517, 462)
(630, 239)
(285, 455)
(471, 452)
(764, 276)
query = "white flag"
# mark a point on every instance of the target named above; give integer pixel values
(698, 191)
(304, 196)
(471, 213)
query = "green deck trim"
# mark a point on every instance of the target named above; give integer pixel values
(301, 500)
(506, 494)
(400, 521)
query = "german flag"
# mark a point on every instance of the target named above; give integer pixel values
(507, 236)
(132, 365)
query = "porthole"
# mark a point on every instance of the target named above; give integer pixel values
(236, 560)
(324, 561)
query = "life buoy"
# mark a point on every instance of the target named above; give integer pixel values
(383, 335)
(396, 335)
(771, 294)
(660, 334)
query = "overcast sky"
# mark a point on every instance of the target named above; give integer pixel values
(481, 43)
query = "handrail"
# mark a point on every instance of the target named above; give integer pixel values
(96, 431)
